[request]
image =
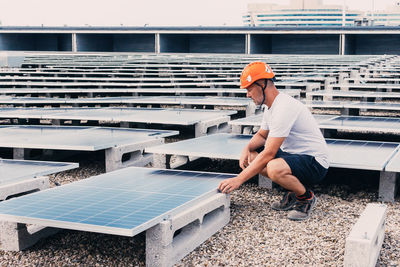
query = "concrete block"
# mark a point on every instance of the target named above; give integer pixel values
(342, 77)
(364, 242)
(350, 111)
(18, 236)
(219, 125)
(161, 161)
(251, 129)
(329, 81)
(327, 97)
(329, 133)
(24, 186)
(242, 129)
(167, 161)
(125, 124)
(236, 129)
(251, 109)
(388, 186)
(18, 153)
(137, 156)
(170, 241)
(178, 161)
(355, 74)
(264, 182)
(311, 87)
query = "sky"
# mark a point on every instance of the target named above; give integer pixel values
(143, 12)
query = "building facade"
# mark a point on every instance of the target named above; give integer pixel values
(315, 13)
(388, 17)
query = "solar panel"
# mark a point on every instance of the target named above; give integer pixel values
(75, 137)
(16, 170)
(373, 105)
(352, 104)
(353, 154)
(356, 154)
(139, 115)
(223, 146)
(381, 124)
(323, 104)
(177, 91)
(367, 86)
(176, 100)
(394, 163)
(337, 93)
(255, 120)
(322, 118)
(124, 202)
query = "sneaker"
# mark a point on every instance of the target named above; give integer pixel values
(287, 202)
(302, 209)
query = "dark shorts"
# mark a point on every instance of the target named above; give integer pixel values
(304, 167)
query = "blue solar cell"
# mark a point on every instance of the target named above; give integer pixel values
(123, 202)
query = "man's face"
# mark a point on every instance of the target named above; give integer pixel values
(254, 92)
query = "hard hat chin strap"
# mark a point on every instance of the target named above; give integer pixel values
(263, 91)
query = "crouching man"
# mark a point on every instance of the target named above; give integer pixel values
(289, 147)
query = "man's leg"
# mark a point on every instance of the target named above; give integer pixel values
(289, 198)
(280, 172)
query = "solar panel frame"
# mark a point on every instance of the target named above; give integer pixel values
(20, 169)
(172, 100)
(352, 152)
(28, 137)
(176, 91)
(337, 93)
(373, 105)
(380, 160)
(255, 120)
(137, 115)
(216, 146)
(394, 163)
(81, 193)
(361, 123)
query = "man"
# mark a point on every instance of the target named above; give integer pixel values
(289, 147)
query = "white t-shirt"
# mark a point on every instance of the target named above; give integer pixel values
(289, 118)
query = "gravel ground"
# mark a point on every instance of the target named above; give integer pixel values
(255, 236)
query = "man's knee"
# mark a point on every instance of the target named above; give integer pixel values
(277, 169)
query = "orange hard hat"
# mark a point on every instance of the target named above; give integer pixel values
(255, 71)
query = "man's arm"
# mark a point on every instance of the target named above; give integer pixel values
(257, 141)
(272, 146)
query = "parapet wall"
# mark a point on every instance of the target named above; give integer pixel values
(240, 40)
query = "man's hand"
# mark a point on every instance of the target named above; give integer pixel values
(228, 185)
(244, 159)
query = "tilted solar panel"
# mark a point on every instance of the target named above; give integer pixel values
(394, 163)
(382, 124)
(124, 202)
(17, 170)
(75, 137)
(371, 155)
